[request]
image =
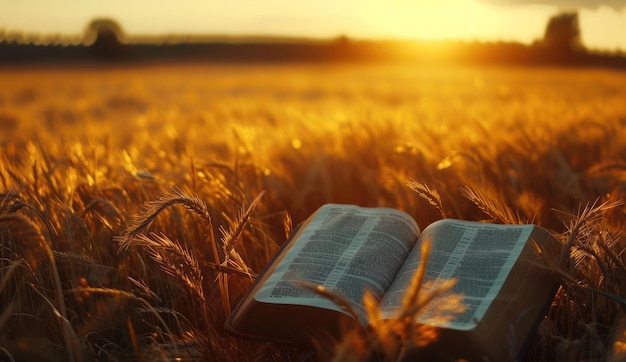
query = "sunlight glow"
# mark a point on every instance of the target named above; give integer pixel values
(462, 19)
(603, 28)
(466, 20)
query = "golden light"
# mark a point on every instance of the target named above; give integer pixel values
(448, 19)
(466, 20)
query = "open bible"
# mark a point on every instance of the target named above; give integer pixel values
(349, 249)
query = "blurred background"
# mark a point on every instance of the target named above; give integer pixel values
(558, 31)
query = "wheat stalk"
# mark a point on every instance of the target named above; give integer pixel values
(10, 202)
(232, 236)
(287, 225)
(130, 296)
(70, 338)
(142, 221)
(91, 207)
(143, 288)
(174, 260)
(428, 194)
(491, 205)
(332, 296)
(583, 224)
(6, 354)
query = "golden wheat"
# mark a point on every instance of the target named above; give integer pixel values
(83, 150)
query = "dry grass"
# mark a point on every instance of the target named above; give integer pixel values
(115, 183)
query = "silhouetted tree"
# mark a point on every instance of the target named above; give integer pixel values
(104, 36)
(563, 33)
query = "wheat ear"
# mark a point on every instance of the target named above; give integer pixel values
(428, 194)
(174, 260)
(142, 221)
(491, 205)
(232, 236)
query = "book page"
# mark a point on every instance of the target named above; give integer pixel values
(346, 249)
(478, 255)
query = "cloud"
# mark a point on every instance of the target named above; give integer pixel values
(569, 4)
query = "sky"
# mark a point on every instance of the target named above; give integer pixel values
(602, 22)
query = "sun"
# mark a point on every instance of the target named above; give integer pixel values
(450, 19)
(466, 20)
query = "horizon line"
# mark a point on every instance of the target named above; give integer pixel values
(173, 38)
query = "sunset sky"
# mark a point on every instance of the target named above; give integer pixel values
(603, 22)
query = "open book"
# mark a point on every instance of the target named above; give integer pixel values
(350, 249)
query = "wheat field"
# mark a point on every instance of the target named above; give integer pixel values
(138, 203)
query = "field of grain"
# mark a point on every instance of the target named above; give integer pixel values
(123, 191)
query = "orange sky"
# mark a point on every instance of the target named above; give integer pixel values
(603, 23)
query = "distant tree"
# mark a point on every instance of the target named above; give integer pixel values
(104, 36)
(563, 33)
